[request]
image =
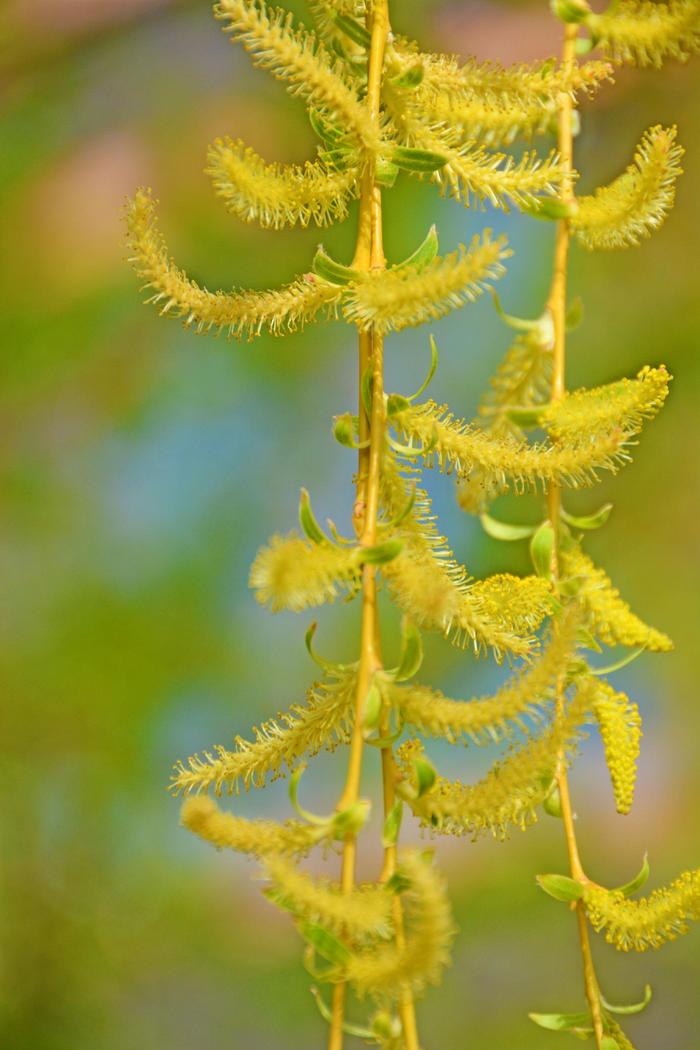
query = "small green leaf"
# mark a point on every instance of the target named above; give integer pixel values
(339, 158)
(431, 371)
(349, 1029)
(396, 403)
(411, 651)
(520, 324)
(503, 530)
(385, 1027)
(542, 549)
(561, 1022)
(551, 209)
(574, 314)
(345, 430)
(589, 521)
(587, 640)
(552, 803)
(398, 883)
(572, 11)
(327, 665)
(353, 29)
(351, 820)
(526, 415)
(423, 255)
(634, 1008)
(561, 887)
(373, 707)
(422, 161)
(366, 390)
(410, 78)
(385, 172)
(294, 798)
(310, 527)
(381, 553)
(584, 45)
(608, 1043)
(392, 825)
(425, 776)
(330, 133)
(638, 881)
(332, 271)
(327, 945)
(619, 664)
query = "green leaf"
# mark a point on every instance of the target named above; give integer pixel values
(327, 665)
(587, 640)
(392, 825)
(608, 1043)
(381, 553)
(366, 390)
(551, 209)
(373, 707)
(327, 945)
(431, 371)
(542, 549)
(561, 1022)
(422, 161)
(526, 415)
(385, 172)
(619, 664)
(310, 527)
(423, 255)
(345, 430)
(411, 651)
(351, 820)
(589, 521)
(638, 881)
(349, 1029)
(425, 775)
(561, 887)
(353, 29)
(332, 271)
(339, 158)
(503, 530)
(634, 1008)
(330, 133)
(396, 403)
(552, 803)
(410, 78)
(520, 324)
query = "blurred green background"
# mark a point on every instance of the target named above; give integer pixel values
(141, 467)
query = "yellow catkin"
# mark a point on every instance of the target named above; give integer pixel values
(293, 573)
(365, 912)
(236, 313)
(609, 616)
(626, 404)
(296, 57)
(491, 718)
(277, 195)
(323, 722)
(259, 838)
(635, 204)
(645, 33)
(390, 300)
(621, 730)
(510, 794)
(454, 445)
(388, 969)
(431, 587)
(637, 925)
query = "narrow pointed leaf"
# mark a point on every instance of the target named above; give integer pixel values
(542, 549)
(311, 528)
(424, 253)
(504, 530)
(418, 160)
(589, 521)
(638, 881)
(561, 887)
(634, 1008)
(561, 1022)
(330, 270)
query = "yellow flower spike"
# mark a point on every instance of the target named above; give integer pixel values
(621, 729)
(625, 404)
(645, 33)
(259, 838)
(293, 573)
(637, 925)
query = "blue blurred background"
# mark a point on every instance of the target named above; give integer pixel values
(141, 467)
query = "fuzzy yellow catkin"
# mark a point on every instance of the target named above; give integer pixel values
(637, 925)
(236, 313)
(279, 744)
(388, 969)
(635, 204)
(365, 912)
(276, 195)
(621, 729)
(608, 615)
(626, 403)
(293, 573)
(645, 33)
(201, 815)
(487, 719)
(395, 299)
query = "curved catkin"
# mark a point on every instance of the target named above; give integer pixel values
(625, 404)
(608, 615)
(644, 33)
(386, 970)
(277, 195)
(259, 838)
(635, 204)
(237, 313)
(279, 744)
(293, 573)
(365, 912)
(637, 925)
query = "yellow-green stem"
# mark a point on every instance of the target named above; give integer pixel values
(557, 306)
(369, 254)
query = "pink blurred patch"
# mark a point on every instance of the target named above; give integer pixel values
(69, 16)
(78, 209)
(496, 33)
